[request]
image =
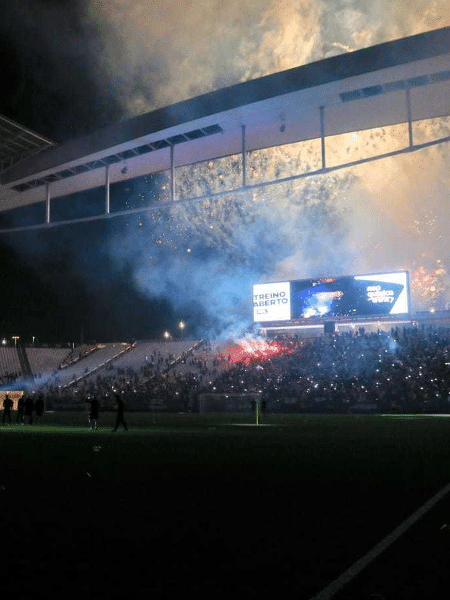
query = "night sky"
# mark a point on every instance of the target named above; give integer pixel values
(51, 53)
(50, 66)
(70, 67)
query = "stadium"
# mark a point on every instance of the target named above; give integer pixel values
(288, 421)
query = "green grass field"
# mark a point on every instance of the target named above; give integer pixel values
(213, 502)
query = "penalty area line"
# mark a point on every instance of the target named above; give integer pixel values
(335, 586)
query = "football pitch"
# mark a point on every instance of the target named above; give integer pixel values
(213, 503)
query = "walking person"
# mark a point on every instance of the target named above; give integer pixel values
(263, 407)
(93, 413)
(20, 410)
(29, 408)
(120, 410)
(39, 408)
(7, 406)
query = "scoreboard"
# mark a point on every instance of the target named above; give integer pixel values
(376, 294)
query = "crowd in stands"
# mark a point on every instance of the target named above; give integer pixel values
(77, 354)
(406, 370)
(155, 383)
(8, 378)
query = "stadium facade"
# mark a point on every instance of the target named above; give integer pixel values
(403, 81)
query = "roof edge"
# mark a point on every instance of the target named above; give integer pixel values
(381, 56)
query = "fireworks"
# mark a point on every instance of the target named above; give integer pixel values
(430, 287)
(251, 351)
(373, 217)
(211, 250)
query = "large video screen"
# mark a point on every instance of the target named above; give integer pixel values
(378, 294)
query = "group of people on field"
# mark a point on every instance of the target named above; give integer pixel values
(94, 410)
(26, 408)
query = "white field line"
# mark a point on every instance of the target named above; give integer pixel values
(335, 586)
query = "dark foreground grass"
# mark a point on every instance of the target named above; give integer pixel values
(210, 503)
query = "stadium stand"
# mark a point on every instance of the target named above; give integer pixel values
(146, 353)
(135, 371)
(46, 360)
(87, 363)
(406, 370)
(77, 354)
(10, 369)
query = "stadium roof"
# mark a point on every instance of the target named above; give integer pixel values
(350, 92)
(18, 143)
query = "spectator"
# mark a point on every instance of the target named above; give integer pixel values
(20, 410)
(39, 408)
(29, 408)
(7, 407)
(120, 413)
(93, 412)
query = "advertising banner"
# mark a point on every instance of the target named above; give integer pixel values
(14, 395)
(271, 302)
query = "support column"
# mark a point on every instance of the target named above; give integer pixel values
(107, 198)
(244, 157)
(322, 136)
(47, 204)
(409, 117)
(172, 174)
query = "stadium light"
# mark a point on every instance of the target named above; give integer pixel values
(182, 326)
(166, 335)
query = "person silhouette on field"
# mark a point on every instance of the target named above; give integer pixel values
(20, 410)
(29, 409)
(93, 412)
(120, 410)
(7, 406)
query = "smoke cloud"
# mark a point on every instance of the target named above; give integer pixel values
(160, 53)
(370, 218)
(205, 255)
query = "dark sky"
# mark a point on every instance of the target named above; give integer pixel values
(50, 66)
(70, 283)
(47, 295)
(52, 82)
